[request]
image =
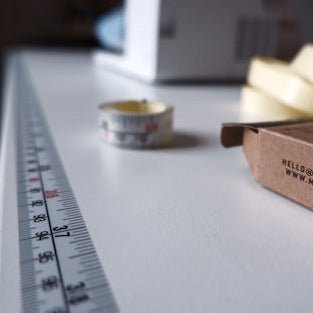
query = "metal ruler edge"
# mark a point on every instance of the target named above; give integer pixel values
(9, 271)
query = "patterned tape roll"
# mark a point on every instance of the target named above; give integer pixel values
(280, 81)
(303, 62)
(136, 124)
(256, 106)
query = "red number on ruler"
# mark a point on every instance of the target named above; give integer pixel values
(33, 179)
(51, 193)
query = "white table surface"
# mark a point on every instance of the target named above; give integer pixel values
(178, 230)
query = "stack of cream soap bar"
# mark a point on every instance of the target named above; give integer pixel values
(277, 90)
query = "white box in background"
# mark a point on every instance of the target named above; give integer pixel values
(192, 40)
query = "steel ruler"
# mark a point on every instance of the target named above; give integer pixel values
(60, 269)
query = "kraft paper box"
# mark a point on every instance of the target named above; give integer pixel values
(279, 154)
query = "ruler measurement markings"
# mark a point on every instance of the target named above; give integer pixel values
(38, 163)
(68, 207)
(98, 278)
(89, 269)
(76, 223)
(79, 240)
(83, 236)
(72, 219)
(95, 261)
(81, 254)
(85, 251)
(36, 156)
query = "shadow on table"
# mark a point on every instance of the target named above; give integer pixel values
(183, 140)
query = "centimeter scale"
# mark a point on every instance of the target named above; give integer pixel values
(60, 269)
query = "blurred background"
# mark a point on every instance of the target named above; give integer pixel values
(72, 22)
(100, 23)
(51, 22)
(57, 23)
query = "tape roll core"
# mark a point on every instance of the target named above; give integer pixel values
(139, 107)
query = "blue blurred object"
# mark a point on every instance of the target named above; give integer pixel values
(109, 29)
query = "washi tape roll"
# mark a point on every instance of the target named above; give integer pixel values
(136, 124)
(279, 81)
(303, 62)
(256, 106)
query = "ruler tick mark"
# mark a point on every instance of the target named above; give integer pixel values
(81, 254)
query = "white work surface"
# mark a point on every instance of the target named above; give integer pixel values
(178, 230)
